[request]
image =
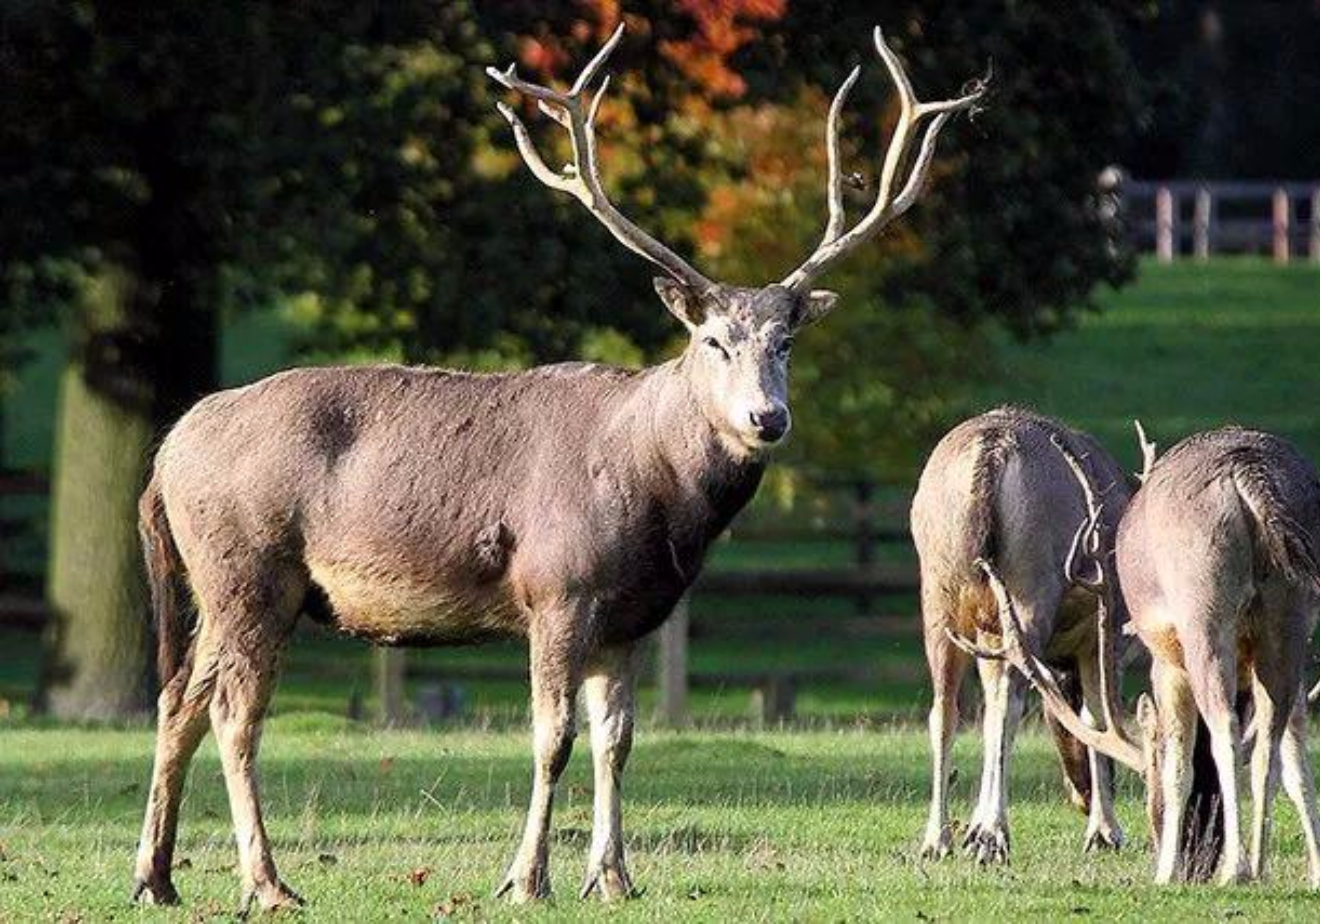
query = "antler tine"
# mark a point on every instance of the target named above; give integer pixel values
(1112, 741)
(582, 179)
(1147, 452)
(1314, 696)
(886, 208)
(1087, 539)
(837, 215)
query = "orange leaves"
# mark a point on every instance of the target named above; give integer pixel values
(721, 30)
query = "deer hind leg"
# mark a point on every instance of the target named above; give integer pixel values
(1214, 686)
(1299, 783)
(1102, 828)
(987, 837)
(1276, 676)
(1178, 721)
(250, 616)
(948, 664)
(557, 652)
(181, 725)
(609, 689)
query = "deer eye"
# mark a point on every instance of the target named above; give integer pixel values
(785, 347)
(716, 346)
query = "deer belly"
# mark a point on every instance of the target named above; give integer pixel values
(389, 609)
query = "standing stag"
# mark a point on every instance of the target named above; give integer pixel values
(998, 488)
(1217, 560)
(571, 505)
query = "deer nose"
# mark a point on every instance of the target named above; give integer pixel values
(770, 424)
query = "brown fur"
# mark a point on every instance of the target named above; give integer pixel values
(571, 505)
(1217, 560)
(996, 488)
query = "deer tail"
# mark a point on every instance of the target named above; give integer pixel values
(990, 455)
(1281, 541)
(165, 582)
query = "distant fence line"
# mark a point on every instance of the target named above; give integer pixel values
(1199, 218)
(862, 522)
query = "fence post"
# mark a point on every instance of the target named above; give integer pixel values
(1165, 219)
(863, 492)
(1315, 225)
(1202, 221)
(674, 666)
(1281, 209)
(388, 666)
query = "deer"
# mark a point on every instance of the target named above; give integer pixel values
(569, 505)
(996, 487)
(1216, 557)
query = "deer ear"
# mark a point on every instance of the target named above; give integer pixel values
(815, 305)
(681, 301)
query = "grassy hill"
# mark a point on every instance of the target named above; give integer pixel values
(1186, 348)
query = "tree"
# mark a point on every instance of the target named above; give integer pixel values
(173, 160)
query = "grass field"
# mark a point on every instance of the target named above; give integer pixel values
(817, 822)
(377, 825)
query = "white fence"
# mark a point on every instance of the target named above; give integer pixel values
(1194, 218)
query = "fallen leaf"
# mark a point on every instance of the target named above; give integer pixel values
(455, 904)
(419, 876)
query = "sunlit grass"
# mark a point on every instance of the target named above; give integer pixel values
(731, 826)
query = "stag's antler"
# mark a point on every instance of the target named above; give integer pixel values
(1087, 541)
(581, 179)
(1113, 740)
(836, 243)
(1147, 452)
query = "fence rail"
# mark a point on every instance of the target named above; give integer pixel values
(1199, 218)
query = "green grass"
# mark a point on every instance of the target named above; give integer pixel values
(1187, 347)
(721, 827)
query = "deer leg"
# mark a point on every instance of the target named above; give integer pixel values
(243, 691)
(1102, 828)
(1299, 784)
(180, 727)
(1271, 718)
(1214, 686)
(556, 669)
(609, 688)
(1178, 721)
(947, 667)
(987, 836)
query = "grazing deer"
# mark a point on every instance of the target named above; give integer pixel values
(1216, 556)
(571, 505)
(997, 487)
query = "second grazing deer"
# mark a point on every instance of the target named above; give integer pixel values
(999, 487)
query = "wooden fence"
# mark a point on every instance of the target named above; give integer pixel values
(864, 527)
(1180, 218)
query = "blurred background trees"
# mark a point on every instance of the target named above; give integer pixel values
(339, 166)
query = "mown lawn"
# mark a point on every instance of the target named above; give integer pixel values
(374, 825)
(1185, 348)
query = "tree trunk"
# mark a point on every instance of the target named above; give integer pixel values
(96, 652)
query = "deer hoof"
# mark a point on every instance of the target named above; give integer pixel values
(1101, 838)
(609, 880)
(154, 890)
(271, 896)
(1234, 874)
(938, 844)
(525, 885)
(987, 844)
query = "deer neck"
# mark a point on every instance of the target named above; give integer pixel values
(698, 476)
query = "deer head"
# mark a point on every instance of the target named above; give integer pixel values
(740, 338)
